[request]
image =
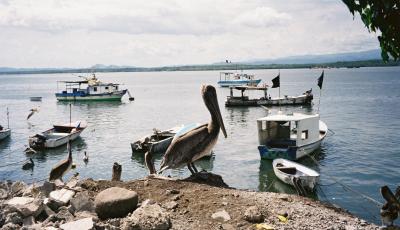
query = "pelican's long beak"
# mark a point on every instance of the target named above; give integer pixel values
(213, 100)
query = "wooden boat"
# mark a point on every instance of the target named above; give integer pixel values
(160, 140)
(92, 90)
(290, 136)
(57, 136)
(243, 100)
(227, 79)
(295, 174)
(35, 98)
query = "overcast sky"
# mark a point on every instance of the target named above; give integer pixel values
(81, 33)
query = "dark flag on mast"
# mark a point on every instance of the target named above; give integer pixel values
(321, 80)
(276, 82)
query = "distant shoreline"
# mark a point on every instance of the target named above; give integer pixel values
(349, 64)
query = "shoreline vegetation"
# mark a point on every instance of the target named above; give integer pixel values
(201, 201)
(208, 67)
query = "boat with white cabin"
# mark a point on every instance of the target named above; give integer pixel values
(290, 136)
(295, 174)
(227, 79)
(57, 136)
(91, 89)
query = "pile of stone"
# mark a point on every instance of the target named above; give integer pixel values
(69, 206)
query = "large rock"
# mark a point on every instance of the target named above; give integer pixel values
(221, 216)
(253, 215)
(81, 202)
(115, 202)
(27, 206)
(18, 187)
(61, 197)
(148, 216)
(82, 224)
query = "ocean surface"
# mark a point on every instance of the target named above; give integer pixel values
(360, 106)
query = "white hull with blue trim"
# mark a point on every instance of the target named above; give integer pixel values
(91, 89)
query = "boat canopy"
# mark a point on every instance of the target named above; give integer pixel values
(284, 130)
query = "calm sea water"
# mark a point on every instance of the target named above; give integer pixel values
(361, 106)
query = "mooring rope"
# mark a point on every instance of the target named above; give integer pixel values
(377, 203)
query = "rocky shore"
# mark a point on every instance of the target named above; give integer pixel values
(198, 202)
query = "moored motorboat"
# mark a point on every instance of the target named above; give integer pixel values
(243, 100)
(290, 136)
(227, 79)
(5, 132)
(295, 174)
(159, 140)
(57, 136)
(93, 90)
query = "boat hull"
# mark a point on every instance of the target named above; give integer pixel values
(5, 133)
(35, 98)
(230, 83)
(87, 97)
(308, 177)
(244, 101)
(53, 138)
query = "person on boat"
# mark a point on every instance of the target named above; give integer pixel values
(1, 127)
(269, 97)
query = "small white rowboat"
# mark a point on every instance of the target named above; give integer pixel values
(291, 172)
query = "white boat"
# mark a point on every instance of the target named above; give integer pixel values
(57, 136)
(295, 174)
(227, 79)
(4, 132)
(290, 136)
(92, 90)
(159, 140)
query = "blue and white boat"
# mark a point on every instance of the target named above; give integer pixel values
(228, 79)
(91, 89)
(290, 136)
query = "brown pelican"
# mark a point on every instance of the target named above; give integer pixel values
(198, 142)
(33, 111)
(62, 167)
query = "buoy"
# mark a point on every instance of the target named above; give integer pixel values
(131, 98)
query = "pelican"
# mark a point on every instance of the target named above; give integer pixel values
(86, 158)
(198, 142)
(62, 167)
(33, 111)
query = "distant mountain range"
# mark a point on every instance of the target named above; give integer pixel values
(349, 60)
(318, 59)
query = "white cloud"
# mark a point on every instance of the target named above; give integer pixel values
(81, 33)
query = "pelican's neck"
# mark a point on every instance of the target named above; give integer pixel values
(213, 125)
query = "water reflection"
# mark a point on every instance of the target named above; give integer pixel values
(77, 146)
(237, 115)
